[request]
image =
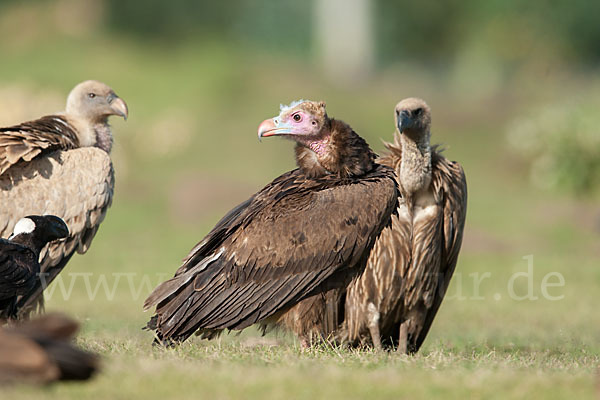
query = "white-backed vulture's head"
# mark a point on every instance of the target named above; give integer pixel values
(94, 102)
(413, 118)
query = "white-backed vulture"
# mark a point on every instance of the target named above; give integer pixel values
(41, 351)
(307, 232)
(19, 258)
(60, 164)
(396, 298)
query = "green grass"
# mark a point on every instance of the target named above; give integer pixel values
(483, 343)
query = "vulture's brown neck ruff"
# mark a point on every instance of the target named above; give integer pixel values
(324, 146)
(413, 120)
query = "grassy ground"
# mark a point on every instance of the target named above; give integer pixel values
(189, 153)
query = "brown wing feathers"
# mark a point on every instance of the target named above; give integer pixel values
(268, 258)
(450, 182)
(28, 140)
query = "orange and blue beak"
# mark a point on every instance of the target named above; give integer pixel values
(273, 127)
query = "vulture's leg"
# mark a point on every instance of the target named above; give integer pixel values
(373, 318)
(403, 338)
(304, 343)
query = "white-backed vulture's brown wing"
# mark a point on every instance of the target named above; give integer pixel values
(75, 185)
(273, 250)
(28, 140)
(450, 192)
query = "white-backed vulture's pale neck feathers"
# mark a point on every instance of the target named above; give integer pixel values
(88, 107)
(324, 145)
(413, 121)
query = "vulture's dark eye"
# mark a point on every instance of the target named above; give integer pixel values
(418, 112)
(297, 117)
(91, 95)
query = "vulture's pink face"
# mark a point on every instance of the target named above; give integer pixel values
(298, 119)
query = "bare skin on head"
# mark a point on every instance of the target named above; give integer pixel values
(324, 145)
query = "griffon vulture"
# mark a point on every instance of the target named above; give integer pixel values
(60, 164)
(19, 255)
(41, 350)
(307, 232)
(409, 269)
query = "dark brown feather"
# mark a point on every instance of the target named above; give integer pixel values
(273, 250)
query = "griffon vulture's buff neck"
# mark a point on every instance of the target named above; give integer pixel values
(324, 145)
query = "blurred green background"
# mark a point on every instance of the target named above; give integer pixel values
(515, 93)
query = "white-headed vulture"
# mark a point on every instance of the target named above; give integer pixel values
(42, 351)
(307, 232)
(60, 164)
(396, 298)
(19, 266)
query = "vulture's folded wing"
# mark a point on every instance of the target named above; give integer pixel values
(75, 185)
(26, 141)
(273, 251)
(450, 190)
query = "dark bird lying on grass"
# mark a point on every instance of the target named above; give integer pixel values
(41, 351)
(19, 266)
(60, 165)
(409, 269)
(307, 232)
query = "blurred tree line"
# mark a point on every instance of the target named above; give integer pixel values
(427, 31)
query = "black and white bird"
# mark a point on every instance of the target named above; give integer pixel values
(19, 258)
